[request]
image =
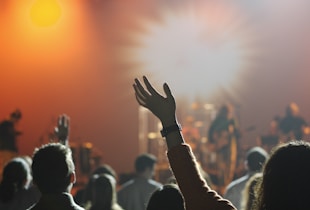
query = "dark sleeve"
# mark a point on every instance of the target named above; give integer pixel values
(197, 194)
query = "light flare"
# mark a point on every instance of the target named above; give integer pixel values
(198, 50)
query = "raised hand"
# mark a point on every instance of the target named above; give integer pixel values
(62, 129)
(162, 107)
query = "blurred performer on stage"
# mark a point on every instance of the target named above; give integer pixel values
(8, 132)
(272, 138)
(223, 138)
(292, 125)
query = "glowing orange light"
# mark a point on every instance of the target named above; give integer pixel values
(45, 12)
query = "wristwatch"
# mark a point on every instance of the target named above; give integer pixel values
(166, 130)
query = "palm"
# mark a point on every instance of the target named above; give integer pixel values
(162, 107)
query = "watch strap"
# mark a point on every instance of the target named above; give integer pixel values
(166, 130)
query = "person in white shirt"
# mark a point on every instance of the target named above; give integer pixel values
(135, 193)
(255, 159)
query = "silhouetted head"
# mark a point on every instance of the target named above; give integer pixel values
(105, 169)
(292, 109)
(255, 159)
(145, 162)
(225, 111)
(53, 168)
(16, 175)
(168, 197)
(16, 115)
(286, 181)
(103, 191)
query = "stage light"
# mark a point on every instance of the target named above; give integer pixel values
(202, 49)
(45, 13)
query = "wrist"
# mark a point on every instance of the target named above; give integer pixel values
(169, 121)
(170, 129)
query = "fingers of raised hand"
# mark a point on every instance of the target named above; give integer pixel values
(140, 89)
(63, 121)
(168, 93)
(140, 100)
(139, 96)
(66, 121)
(150, 87)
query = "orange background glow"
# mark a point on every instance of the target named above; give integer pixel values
(83, 58)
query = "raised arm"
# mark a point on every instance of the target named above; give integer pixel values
(197, 194)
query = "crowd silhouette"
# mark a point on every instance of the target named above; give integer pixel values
(277, 176)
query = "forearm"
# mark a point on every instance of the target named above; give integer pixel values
(196, 192)
(174, 139)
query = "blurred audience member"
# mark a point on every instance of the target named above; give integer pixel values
(135, 193)
(249, 193)
(168, 197)
(103, 193)
(255, 159)
(15, 193)
(285, 184)
(54, 174)
(83, 195)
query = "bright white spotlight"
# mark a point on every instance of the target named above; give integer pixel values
(198, 49)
